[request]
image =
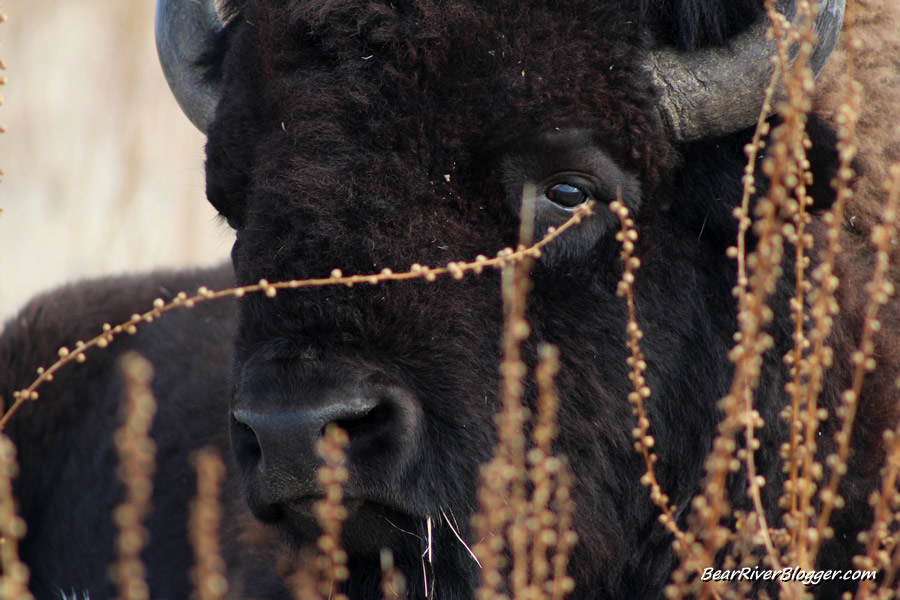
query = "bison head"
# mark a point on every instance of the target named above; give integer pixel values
(373, 135)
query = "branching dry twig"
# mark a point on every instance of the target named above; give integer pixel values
(457, 270)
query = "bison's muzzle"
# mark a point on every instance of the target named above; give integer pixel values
(279, 415)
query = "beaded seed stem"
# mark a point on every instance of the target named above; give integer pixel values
(457, 270)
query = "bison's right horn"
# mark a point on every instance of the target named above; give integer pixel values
(183, 28)
(716, 91)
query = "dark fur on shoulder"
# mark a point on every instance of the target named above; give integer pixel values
(67, 489)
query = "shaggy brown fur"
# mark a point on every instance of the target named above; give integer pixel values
(876, 25)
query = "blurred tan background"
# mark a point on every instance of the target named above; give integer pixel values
(103, 174)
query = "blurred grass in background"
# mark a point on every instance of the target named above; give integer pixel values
(103, 174)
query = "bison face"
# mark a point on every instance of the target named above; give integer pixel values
(365, 136)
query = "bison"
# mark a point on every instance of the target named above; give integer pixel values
(368, 135)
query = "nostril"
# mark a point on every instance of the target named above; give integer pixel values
(374, 422)
(244, 441)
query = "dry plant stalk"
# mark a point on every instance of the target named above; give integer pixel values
(457, 270)
(542, 469)
(643, 441)
(825, 305)
(813, 356)
(331, 562)
(780, 214)
(317, 575)
(783, 215)
(501, 521)
(14, 576)
(882, 547)
(787, 168)
(691, 554)
(208, 573)
(566, 538)
(551, 509)
(137, 453)
(509, 522)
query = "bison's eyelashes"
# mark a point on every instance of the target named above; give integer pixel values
(567, 195)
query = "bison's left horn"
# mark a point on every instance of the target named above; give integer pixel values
(183, 28)
(716, 91)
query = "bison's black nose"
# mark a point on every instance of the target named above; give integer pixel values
(284, 437)
(278, 417)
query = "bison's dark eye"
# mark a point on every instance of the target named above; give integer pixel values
(567, 195)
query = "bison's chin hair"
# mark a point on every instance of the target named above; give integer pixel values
(369, 527)
(433, 560)
(448, 571)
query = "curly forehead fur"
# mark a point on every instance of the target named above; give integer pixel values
(527, 65)
(400, 94)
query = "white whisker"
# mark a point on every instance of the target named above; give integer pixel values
(459, 537)
(401, 529)
(429, 552)
(430, 558)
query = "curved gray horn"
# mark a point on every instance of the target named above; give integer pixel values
(182, 30)
(716, 91)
